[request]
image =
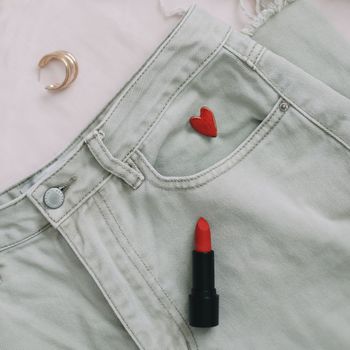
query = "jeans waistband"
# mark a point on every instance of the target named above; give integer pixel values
(103, 148)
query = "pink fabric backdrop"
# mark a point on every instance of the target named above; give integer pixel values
(111, 39)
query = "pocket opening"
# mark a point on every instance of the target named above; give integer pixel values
(240, 100)
(220, 167)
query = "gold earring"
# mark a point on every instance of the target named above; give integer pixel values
(70, 64)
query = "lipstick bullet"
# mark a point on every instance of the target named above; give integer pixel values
(203, 300)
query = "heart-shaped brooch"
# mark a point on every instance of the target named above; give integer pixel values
(205, 123)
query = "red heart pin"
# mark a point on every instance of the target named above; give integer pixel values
(205, 124)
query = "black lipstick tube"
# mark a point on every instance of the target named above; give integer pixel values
(203, 300)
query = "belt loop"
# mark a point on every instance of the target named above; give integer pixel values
(133, 177)
(254, 55)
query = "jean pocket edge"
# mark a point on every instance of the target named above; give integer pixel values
(207, 175)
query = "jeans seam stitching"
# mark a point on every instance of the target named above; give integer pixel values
(13, 202)
(258, 56)
(108, 168)
(133, 263)
(305, 114)
(63, 165)
(251, 51)
(190, 76)
(231, 157)
(161, 182)
(100, 284)
(24, 240)
(134, 184)
(170, 40)
(75, 205)
(281, 92)
(241, 57)
(149, 270)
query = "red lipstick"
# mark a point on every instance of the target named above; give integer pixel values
(203, 300)
(202, 240)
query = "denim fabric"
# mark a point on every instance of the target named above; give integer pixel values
(301, 34)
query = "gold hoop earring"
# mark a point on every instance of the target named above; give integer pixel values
(71, 66)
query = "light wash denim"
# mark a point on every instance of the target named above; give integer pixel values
(301, 34)
(110, 268)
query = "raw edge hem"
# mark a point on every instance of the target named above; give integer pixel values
(269, 10)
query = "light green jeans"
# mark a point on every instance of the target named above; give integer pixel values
(96, 247)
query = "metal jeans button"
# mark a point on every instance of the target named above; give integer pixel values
(53, 198)
(283, 106)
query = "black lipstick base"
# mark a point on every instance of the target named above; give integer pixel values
(203, 300)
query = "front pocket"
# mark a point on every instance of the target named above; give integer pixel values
(205, 176)
(20, 239)
(239, 99)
